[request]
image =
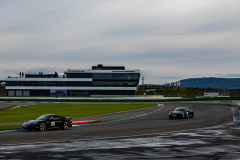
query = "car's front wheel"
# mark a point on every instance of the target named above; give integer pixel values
(42, 127)
(65, 126)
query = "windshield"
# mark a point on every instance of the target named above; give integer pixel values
(43, 117)
(179, 109)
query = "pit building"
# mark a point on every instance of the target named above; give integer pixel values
(100, 80)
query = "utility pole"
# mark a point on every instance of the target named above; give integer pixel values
(143, 83)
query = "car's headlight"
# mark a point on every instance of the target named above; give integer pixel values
(26, 121)
(35, 123)
(170, 112)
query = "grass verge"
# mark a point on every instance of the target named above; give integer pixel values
(29, 112)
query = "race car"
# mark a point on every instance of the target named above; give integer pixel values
(47, 121)
(181, 112)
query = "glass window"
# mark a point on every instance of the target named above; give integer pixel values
(10, 83)
(55, 118)
(116, 76)
(43, 117)
(35, 83)
(45, 83)
(78, 93)
(17, 83)
(61, 83)
(39, 83)
(179, 109)
(115, 83)
(28, 83)
(54, 92)
(49, 83)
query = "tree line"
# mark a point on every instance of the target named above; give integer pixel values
(185, 92)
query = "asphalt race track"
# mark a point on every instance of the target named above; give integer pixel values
(137, 134)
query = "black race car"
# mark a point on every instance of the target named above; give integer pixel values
(48, 121)
(181, 112)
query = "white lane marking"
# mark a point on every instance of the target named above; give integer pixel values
(84, 139)
(218, 126)
(30, 143)
(135, 116)
(120, 112)
(16, 107)
(126, 136)
(123, 119)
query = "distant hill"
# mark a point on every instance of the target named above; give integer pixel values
(212, 82)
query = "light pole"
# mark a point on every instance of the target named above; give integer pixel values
(143, 83)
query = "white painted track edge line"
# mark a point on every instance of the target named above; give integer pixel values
(218, 126)
(163, 133)
(80, 126)
(170, 132)
(118, 112)
(131, 117)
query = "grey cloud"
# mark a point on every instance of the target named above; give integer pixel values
(146, 30)
(145, 72)
(9, 71)
(12, 71)
(45, 69)
(218, 26)
(35, 70)
(170, 40)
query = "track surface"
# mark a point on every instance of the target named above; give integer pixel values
(156, 122)
(8, 105)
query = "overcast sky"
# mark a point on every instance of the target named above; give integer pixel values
(166, 40)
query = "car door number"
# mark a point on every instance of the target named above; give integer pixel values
(52, 123)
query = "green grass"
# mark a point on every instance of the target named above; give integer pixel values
(10, 127)
(29, 112)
